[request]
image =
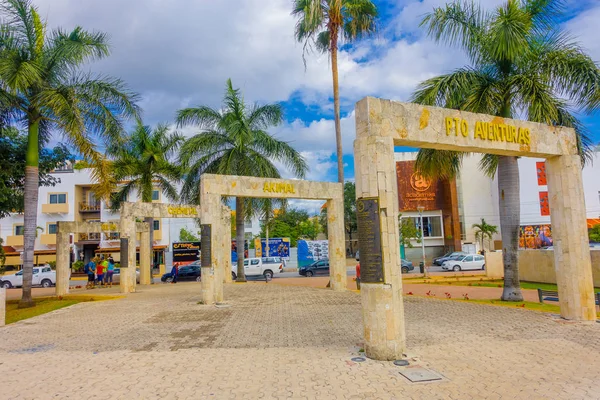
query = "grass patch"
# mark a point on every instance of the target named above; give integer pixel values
(500, 283)
(45, 305)
(527, 305)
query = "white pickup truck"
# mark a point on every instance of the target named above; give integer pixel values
(42, 276)
(255, 267)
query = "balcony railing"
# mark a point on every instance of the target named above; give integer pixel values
(83, 237)
(84, 206)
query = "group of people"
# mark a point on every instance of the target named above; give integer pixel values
(99, 271)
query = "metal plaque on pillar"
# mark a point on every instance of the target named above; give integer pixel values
(206, 246)
(369, 240)
(124, 252)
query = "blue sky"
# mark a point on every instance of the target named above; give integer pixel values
(179, 53)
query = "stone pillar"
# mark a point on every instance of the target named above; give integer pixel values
(226, 244)
(572, 258)
(128, 275)
(2, 306)
(145, 257)
(375, 174)
(337, 243)
(63, 270)
(210, 214)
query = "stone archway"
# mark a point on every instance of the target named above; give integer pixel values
(383, 124)
(63, 232)
(212, 187)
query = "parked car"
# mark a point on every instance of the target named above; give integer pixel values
(320, 267)
(117, 275)
(440, 260)
(42, 276)
(255, 267)
(466, 262)
(274, 263)
(407, 266)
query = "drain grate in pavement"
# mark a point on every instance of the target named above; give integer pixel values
(420, 375)
(358, 359)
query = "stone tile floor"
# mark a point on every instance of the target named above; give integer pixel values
(289, 342)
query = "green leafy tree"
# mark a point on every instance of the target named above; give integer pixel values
(13, 147)
(186, 235)
(42, 87)
(310, 228)
(321, 25)
(350, 224)
(484, 230)
(594, 233)
(522, 64)
(408, 231)
(144, 163)
(234, 141)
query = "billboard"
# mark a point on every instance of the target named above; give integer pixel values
(535, 236)
(278, 247)
(310, 251)
(185, 252)
(415, 190)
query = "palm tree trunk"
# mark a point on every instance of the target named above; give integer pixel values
(30, 208)
(267, 234)
(510, 218)
(150, 222)
(336, 104)
(239, 238)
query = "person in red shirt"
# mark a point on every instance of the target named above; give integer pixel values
(358, 275)
(100, 271)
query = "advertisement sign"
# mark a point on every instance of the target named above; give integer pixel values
(310, 251)
(278, 247)
(185, 252)
(415, 190)
(234, 250)
(535, 236)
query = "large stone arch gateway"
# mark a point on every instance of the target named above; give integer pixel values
(383, 124)
(216, 264)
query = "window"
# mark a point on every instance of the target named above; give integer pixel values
(468, 259)
(254, 262)
(432, 226)
(58, 198)
(156, 225)
(247, 225)
(479, 258)
(155, 195)
(19, 230)
(52, 229)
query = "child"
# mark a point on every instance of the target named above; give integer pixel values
(100, 271)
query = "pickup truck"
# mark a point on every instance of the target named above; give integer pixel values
(255, 267)
(42, 276)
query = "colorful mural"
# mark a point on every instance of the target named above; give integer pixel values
(535, 236)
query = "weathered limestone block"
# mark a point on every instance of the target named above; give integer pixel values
(2, 306)
(571, 249)
(145, 259)
(63, 268)
(337, 242)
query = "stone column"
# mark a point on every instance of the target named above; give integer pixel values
(63, 271)
(226, 244)
(128, 276)
(145, 257)
(572, 258)
(2, 306)
(337, 243)
(210, 214)
(375, 174)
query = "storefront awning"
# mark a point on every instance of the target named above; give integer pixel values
(592, 222)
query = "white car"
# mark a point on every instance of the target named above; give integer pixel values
(117, 275)
(466, 262)
(42, 276)
(255, 267)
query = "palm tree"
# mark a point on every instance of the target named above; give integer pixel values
(484, 230)
(521, 65)
(234, 141)
(145, 162)
(42, 89)
(321, 24)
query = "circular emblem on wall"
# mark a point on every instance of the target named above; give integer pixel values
(360, 206)
(419, 183)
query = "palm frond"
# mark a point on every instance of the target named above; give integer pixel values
(443, 164)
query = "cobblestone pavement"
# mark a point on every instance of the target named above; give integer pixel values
(290, 342)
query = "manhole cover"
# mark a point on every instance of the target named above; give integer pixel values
(358, 359)
(401, 363)
(420, 375)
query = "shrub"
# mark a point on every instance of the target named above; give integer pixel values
(77, 266)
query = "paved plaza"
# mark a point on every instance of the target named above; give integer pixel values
(276, 341)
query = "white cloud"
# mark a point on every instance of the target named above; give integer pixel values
(583, 27)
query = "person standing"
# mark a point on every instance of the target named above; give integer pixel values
(100, 268)
(90, 270)
(358, 275)
(110, 270)
(174, 273)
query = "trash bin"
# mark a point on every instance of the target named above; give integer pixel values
(422, 267)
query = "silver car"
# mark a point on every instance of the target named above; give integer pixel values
(117, 275)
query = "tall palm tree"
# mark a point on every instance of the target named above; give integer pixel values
(321, 24)
(42, 88)
(234, 141)
(145, 162)
(484, 230)
(522, 65)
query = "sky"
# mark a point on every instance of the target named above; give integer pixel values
(179, 53)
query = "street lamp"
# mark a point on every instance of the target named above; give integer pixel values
(421, 209)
